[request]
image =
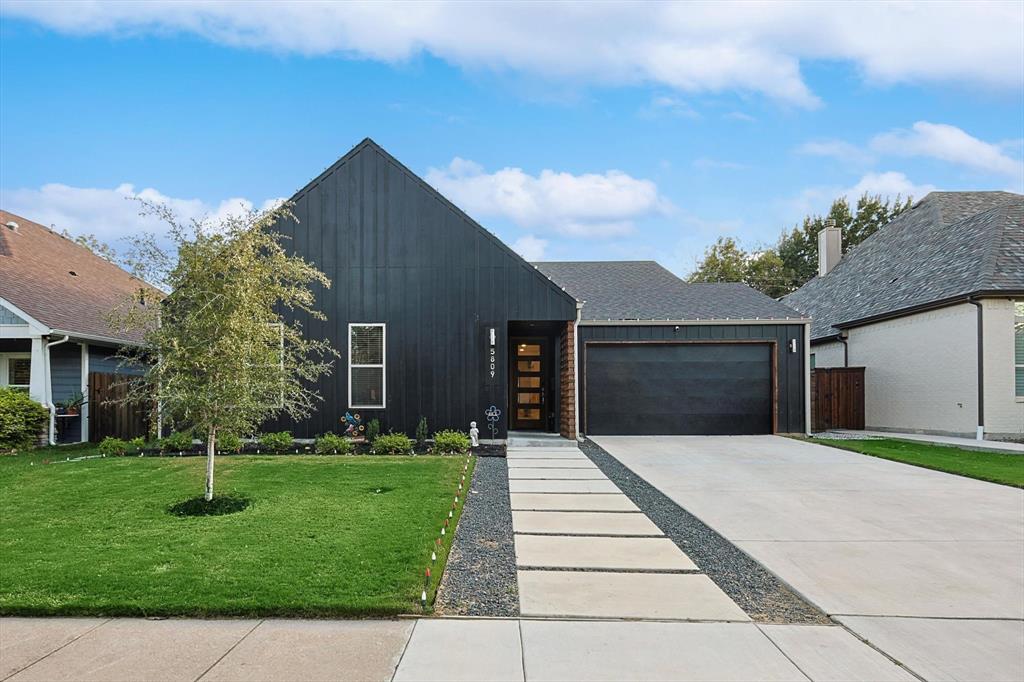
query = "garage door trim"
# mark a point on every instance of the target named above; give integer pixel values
(773, 354)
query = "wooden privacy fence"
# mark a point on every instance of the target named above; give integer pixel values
(119, 420)
(837, 398)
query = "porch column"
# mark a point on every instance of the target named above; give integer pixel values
(37, 371)
(567, 371)
(83, 411)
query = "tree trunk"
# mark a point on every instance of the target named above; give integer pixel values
(211, 448)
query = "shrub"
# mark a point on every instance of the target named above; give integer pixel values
(421, 431)
(392, 444)
(179, 441)
(113, 447)
(450, 443)
(22, 419)
(372, 430)
(137, 444)
(332, 444)
(276, 442)
(228, 442)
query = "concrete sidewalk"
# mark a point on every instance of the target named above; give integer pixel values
(57, 649)
(965, 443)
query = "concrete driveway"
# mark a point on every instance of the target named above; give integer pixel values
(929, 567)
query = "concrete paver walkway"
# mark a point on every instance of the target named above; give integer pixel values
(584, 550)
(925, 565)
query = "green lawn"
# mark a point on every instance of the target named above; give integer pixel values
(323, 536)
(997, 467)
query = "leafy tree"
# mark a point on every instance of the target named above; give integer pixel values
(724, 261)
(94, 244)
(767, 273)
(794, 260)
(219, 354)
(799, 249)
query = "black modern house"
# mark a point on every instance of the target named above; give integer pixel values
(435, 317)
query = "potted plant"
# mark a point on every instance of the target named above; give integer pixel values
(71, 405)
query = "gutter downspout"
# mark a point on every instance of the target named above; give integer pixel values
(980, 435)
(48, 389)
(844, 338)
(576, 367)
(807, 379)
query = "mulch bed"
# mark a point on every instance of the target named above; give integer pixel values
(480, 578)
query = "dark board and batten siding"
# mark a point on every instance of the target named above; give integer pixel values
(397, 252)
(789, 367)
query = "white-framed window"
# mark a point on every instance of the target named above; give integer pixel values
(1018, 348)
(15, 370)
(367, 347)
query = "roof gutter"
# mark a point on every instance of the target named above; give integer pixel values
(980, 435)
(680, 323)
(96, 337)
(953, 300)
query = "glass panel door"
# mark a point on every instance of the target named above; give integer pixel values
(529, 390)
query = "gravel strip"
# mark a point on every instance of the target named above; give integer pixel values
(758, 592)
(480, 578)
(836, 435)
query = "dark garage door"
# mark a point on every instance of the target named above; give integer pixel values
(678, 389)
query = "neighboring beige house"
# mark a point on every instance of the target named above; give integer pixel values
(932, 306)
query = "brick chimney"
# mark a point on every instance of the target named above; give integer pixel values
(830, 247)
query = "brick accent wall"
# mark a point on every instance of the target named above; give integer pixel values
(567, 374)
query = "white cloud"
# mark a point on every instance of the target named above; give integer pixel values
(110, 214)
(890, 184)
(836, 149)
(688, 47)
(588, 205)
(951, 144)
(530, 247)
(816, 200)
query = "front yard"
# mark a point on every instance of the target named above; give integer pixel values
(323, 536)
(998, 467)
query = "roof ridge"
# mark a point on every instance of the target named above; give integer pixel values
(433, 192)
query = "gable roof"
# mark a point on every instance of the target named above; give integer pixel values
(644, 290)
(369, 145)
(949, 245)
(35, 276)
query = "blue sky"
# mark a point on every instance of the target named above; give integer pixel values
(622, 135)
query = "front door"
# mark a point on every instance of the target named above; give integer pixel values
(529, 383)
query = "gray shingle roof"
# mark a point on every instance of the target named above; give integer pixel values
(644, 290)
(948, 245)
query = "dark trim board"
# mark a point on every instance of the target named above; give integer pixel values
(787, 369)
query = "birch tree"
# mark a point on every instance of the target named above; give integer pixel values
(222, 348)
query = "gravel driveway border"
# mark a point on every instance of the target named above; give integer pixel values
(480, 578)
(757, 591)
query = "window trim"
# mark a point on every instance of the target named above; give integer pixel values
(381, 365)
(14, 355)
(1018, 328)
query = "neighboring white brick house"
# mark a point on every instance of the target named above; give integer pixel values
(902, 302)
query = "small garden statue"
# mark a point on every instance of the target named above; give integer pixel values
(474, 434)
